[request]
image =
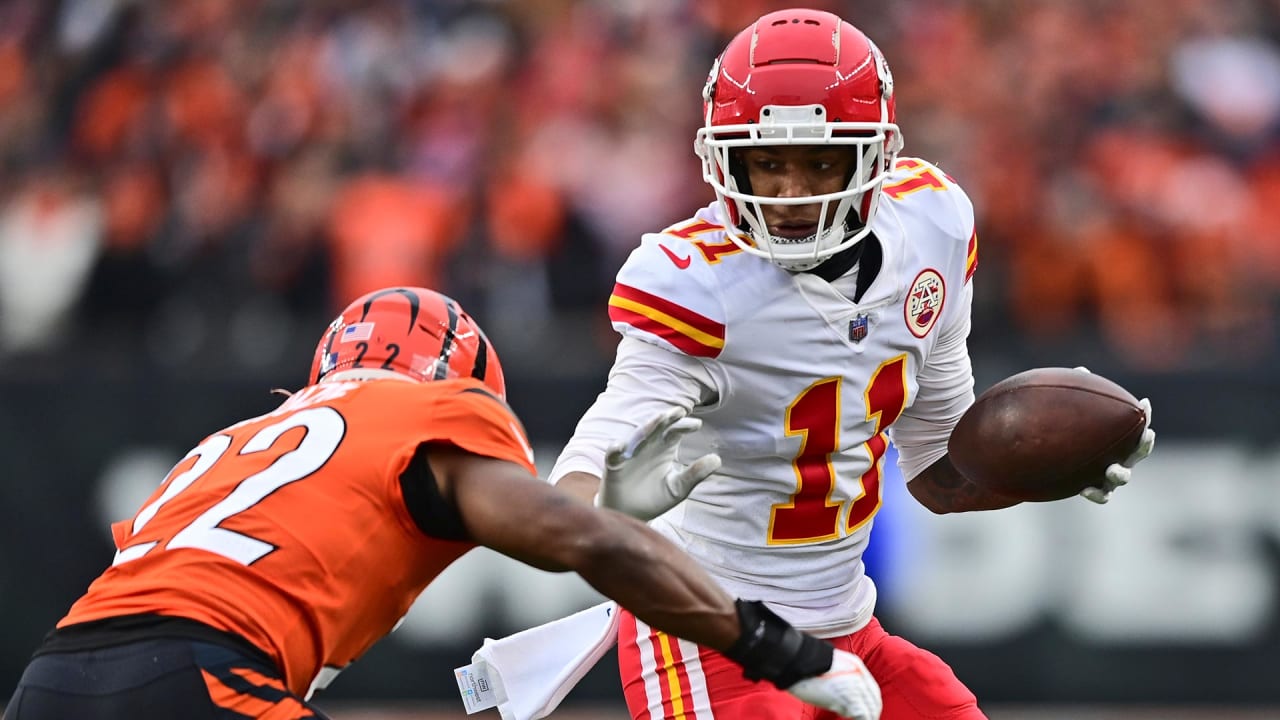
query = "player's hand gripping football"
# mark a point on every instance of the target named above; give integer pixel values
(642, 477)
(847, 689)
(1118, 474)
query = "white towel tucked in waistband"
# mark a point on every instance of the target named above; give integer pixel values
(527, 674)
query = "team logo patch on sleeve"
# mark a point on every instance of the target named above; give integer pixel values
(924, 302)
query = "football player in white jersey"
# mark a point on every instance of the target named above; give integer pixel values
(818, 309)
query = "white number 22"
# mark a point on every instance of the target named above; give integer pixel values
(325, 430)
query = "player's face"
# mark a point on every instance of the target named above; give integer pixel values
(797, 171)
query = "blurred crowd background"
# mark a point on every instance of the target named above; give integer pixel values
(206, 181)
(190, 189)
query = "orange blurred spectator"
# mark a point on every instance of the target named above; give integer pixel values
(202, 104)
(525, 215)
(113, 111)
(13, 70)
(385, 230)
(134, 204)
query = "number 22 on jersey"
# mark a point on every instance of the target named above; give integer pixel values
(810, 515)
(324, 428)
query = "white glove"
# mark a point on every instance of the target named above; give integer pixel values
(641, 475)
(847, 689)
(1118, 474)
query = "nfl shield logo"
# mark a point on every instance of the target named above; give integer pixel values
(858, 328)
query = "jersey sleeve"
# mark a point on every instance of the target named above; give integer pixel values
(667, 296)
(945, 392)
(960, 221)
(644, 381)
(946, 376)
(474, 419)
(950, 211)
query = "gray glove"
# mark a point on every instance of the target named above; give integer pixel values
(642, 477)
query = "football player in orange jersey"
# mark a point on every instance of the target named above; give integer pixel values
(281, 548)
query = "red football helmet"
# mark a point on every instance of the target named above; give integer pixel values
(412, 331)
(799, 77)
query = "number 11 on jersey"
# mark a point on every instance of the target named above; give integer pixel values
(810, 515)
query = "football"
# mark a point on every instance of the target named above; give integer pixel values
(1046, 434)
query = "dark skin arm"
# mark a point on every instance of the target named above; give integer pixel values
(942, 489)
(507, 509)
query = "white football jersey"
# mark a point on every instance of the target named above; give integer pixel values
(802, 385)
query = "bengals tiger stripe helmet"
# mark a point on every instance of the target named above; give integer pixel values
(412, 331)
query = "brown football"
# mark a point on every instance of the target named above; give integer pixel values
(1046, 434)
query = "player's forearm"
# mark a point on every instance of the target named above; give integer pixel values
(942, 489)
(660, 585)
(581, 485)
(619, 556)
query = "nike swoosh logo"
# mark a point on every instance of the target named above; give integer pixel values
(680, 262)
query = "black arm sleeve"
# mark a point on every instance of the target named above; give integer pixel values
(433, 514)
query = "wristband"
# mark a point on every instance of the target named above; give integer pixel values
(770, 649)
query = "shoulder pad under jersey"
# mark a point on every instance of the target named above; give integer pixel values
(668, 293)
(923, 190)
(465, 413)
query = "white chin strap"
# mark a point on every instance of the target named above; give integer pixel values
(800, 261)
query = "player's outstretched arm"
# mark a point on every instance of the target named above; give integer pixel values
(506, 509)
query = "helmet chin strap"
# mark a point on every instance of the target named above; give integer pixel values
(810, 265)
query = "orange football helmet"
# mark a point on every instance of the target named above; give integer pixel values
(799, 77)
(412, 331)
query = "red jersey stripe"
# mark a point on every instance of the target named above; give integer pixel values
(971, 264)
(692, 333)
(686, 344)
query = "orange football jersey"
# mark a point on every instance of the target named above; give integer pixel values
(291, 530)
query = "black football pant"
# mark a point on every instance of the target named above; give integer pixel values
(155, 679)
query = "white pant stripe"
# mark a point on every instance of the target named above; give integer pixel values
(701, 700)
(649, 670)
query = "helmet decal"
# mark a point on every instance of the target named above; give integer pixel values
(357, 332)
(446, 344)
(882, 67)
(415, 332)
(482, 359)
(414, 305)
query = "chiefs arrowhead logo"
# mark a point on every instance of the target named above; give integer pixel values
(924, 302)
(680, 262)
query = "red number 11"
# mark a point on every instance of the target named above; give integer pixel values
(810, 515)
